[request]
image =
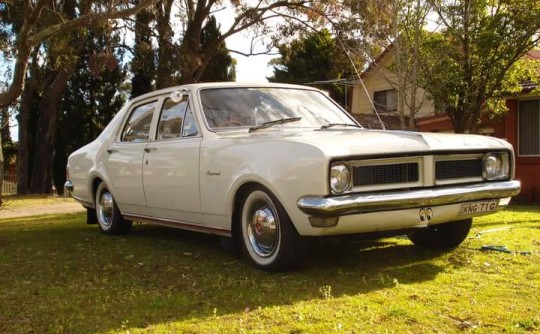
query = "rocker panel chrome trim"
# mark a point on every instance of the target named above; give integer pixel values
(178, 224)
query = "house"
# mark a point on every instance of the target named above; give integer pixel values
(520, 126)
(380, 84)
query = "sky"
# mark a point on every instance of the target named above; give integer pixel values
(248, 69)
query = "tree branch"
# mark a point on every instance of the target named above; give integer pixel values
(27, 41)
(86, 21)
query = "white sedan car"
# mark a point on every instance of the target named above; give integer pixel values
(275, 165)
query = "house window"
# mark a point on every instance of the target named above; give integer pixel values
(529, 128)
(385, 100)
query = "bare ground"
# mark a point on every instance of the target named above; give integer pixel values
(44, 209)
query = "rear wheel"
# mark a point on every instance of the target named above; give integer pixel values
(442, 236)
(268, 235)
(108, 215)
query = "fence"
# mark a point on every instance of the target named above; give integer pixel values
(9, 186)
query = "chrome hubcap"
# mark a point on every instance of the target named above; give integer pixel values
(105, 208)
(263, 231)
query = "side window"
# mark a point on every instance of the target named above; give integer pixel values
(137, 128)
(190, 127)
(176, 120)
(172, 116)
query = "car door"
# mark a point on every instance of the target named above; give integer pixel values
(171, 165)
(125, 159)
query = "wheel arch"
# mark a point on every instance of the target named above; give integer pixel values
(236, 208)
(95, 181)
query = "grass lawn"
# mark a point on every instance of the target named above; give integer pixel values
(59, 275)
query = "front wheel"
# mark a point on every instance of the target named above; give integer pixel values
(268, 235)
(108, 215)
(442, 236)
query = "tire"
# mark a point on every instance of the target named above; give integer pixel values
(268, 236)
(442, 236)
(108, 215)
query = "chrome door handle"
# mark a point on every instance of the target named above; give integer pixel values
(149, 149)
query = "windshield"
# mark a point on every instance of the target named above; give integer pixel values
(230, 108)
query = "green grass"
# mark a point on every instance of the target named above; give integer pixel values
(59, 275)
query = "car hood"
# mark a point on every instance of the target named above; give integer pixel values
(379, 142)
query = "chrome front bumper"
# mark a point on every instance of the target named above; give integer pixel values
(362, 203)
(68, 188)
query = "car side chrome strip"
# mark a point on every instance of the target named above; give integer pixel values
(320, 206)
(178, 224)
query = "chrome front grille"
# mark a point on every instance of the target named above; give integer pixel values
(385, 174)
(458, 169)
(416, 171)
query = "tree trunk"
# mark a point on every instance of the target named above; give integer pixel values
(458, 120)
(46, 133)
(5, 135)
(165, 58)
(1, 175)
(143, 67)
(25, 139)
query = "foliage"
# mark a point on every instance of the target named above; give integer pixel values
(220, 66)
(473, 61)
(410, 18)
(60, 275)
(32, 23)
(309, 58)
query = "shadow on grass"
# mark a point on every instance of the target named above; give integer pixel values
(68, 277)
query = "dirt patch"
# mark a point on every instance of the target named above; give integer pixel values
(45, 209)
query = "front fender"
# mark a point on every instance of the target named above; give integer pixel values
(289, 170)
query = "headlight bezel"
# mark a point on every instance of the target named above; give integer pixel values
(340, 178)
(496, 166)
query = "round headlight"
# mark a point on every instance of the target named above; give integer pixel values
(340, 178)
(493, 166)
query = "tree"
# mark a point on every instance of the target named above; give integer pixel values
(219, 67)
(143, 63)
(477, 56)
(410, 18)
(94, 94)
(47, 41)
(309, 58)
(26, 28)
(61, 60)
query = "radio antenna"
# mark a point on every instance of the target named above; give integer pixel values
(361, 81)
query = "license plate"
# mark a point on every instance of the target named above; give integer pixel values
(477, 207)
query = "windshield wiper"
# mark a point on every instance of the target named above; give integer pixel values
(274, 122)
(329, 125)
